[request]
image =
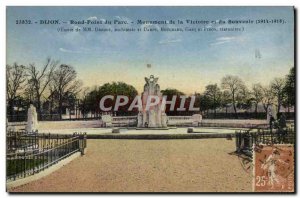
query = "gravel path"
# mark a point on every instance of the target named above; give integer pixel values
(147, 166)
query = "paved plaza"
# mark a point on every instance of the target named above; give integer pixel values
(149, 165)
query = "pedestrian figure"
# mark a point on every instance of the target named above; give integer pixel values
(281, 128)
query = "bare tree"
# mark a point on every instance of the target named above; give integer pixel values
(257, 95)
(15, 78)
(39, 80)
(244, 98)
(235, 86)
(65, 82)
(267, 98)
(277, 86)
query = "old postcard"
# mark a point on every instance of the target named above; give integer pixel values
(150, 99)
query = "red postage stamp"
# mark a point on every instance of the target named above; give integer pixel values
(273, 168)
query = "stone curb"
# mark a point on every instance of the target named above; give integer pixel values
(51, 169)
(159, 136)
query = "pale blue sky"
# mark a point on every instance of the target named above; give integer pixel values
(187, 61)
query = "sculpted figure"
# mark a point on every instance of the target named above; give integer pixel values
(32, 121)
(154, 116)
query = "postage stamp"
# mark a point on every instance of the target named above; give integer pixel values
(274, 168)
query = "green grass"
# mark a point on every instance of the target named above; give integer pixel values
(17, 166)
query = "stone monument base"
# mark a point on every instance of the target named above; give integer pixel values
(153, 128)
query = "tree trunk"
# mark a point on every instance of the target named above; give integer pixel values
(256, 104)
(11, 110)
(234, 107)
(215, 112)
(39, 109)
(266, 109)
(215, 108)
(235, 112)
(279, 102)
(51, 108)
(288, 116)
(60, 108)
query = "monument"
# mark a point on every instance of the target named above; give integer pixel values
(271, 111)
(155, 116)
(32, 121)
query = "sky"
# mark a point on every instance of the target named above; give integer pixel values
(187, 61)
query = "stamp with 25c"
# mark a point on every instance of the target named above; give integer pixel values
(273, 168)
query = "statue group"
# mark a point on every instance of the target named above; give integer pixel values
(155, 116)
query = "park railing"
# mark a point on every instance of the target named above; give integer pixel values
(245, 139)
(243, 115)
(51, 117)
(28, 154)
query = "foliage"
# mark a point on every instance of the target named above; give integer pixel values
(91, 99)
(16, 77)
(289, 89)
(52, 89)
(277, 87)
(256, 95)
(65, 85)
(213, 95)
(39, 80)
(237, 89)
